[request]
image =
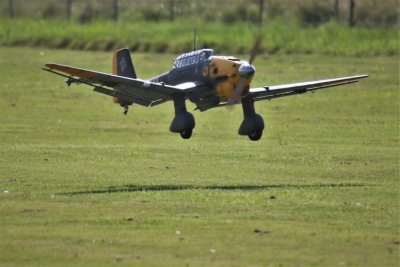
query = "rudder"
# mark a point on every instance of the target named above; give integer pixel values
(122, 64)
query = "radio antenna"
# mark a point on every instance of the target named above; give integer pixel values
(193, 10)
(194, 38)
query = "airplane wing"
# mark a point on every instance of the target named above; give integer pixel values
(138, 91)
(271, 92)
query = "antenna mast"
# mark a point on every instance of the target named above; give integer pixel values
(194, 16)
(194, 39)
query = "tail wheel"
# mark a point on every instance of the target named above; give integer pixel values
(186, 134)
(256, 135)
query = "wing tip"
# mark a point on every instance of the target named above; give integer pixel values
(52, 65)
(362, 76)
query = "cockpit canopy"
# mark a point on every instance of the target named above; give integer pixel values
(193, 58)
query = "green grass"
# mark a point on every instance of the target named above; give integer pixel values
(175, 37)
(88, 186)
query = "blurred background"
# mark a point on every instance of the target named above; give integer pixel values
(288, 26)
(368, 13)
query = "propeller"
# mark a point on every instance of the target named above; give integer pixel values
(256, 49)
(246, 71)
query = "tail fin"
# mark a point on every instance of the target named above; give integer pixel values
(122, 64)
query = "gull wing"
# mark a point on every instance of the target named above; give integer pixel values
(271, 92)
(145, 93)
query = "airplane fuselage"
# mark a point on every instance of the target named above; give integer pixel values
(225, 78)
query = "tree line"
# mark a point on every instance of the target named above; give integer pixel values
(309, 12)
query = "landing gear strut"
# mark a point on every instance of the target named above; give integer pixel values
(253, 124)
(183, 121)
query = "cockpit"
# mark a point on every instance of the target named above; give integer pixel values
(193, 58)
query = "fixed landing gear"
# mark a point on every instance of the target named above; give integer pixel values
(253, 124)
(183, 121)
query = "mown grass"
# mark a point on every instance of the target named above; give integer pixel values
(81, 184)
(174, 37)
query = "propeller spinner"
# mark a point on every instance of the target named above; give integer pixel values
(246, 70)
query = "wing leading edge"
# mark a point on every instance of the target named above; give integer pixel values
(270, 92)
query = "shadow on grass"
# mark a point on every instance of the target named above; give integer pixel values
(136, 188)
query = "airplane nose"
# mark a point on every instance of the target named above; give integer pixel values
(247, 70)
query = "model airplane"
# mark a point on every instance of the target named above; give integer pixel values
(200, 76)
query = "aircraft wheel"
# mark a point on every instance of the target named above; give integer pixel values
(186, 134)
(256, 135)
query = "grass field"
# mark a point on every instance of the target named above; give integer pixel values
(83, 185)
